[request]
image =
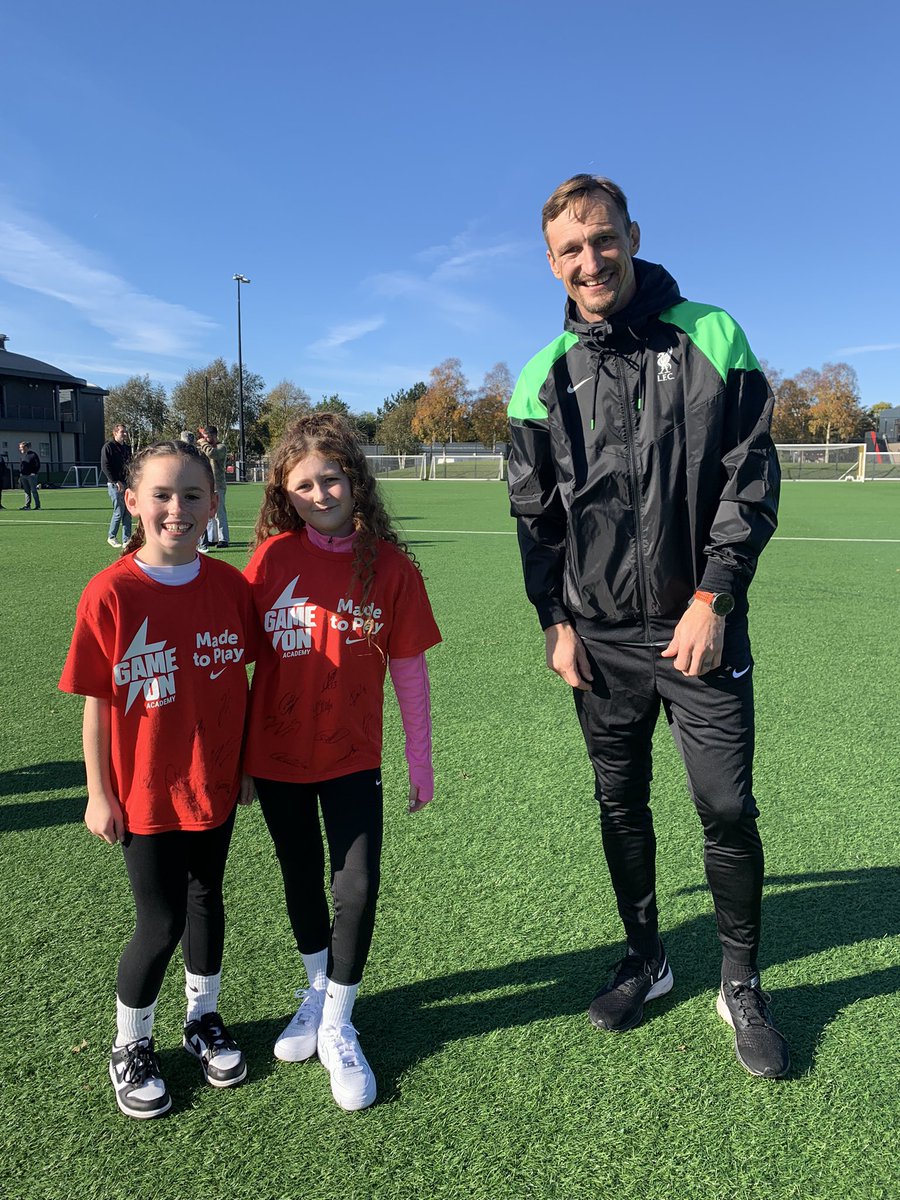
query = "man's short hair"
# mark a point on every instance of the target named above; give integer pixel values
(576, 190)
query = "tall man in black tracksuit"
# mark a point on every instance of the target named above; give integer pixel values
(645, 485)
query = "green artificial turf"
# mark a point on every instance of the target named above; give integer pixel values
(496, 921)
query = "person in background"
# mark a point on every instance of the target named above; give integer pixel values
(115, 455)
(208, 444)
(29, 467)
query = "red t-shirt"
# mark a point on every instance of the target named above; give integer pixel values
(171, 662)
(318, 687)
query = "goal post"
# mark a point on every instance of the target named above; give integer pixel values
(446, 465)
(79, 477)
(397, 466)
(821, 460)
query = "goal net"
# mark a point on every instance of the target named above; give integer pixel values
(467, 466)
(880, 464)
(397, 466)
(79, 477)
(820, 461)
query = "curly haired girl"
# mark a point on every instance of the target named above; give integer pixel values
(341, 600)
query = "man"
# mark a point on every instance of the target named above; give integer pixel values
(115, 456)
(28, 474)
(645, 484)
(208, 444)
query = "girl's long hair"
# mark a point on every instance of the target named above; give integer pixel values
(136, 466)
(334, 439)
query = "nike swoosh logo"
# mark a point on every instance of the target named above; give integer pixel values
(351, 641)
(216, 674)
(572, 390)
(738, 674)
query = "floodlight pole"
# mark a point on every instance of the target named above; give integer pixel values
(239, 279)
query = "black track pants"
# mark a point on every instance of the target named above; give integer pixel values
(176, 879)
(352, 813)
(711, 718)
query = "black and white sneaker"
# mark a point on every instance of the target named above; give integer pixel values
(759, 1046)
(620, 1004)
(140, 1089)
(222, 1062)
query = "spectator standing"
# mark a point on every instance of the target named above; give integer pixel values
(114, 459)
(208, 444)
(28, 473)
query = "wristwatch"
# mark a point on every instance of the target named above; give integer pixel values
(720, 602)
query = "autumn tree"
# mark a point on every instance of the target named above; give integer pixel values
(395, 418)
(210, 396)
(282, 405)
(487, 413)
(441, 412)
(835, 413)
(141, 407)
(790, 421)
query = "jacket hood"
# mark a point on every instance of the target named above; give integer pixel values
(656, 291)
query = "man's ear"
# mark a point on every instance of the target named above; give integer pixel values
(635, 237)
(553, 265)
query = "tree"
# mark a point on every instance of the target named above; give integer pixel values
(487, 414)
(282, 405)
(395, 417)
(441, 412)
(141, 407)
(210, 396)
(836, 412)
(367, 424)
(333, 403)
(790, 421)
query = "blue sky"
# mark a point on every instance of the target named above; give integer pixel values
(378, 173)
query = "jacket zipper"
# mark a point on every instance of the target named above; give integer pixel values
(630, 438)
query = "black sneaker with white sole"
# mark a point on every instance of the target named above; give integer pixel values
(760, 1048)
(620, 1004)
(135, 1073)
(222, 1062)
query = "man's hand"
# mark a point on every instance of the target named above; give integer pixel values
(247, 790)
(696, 644)
(567, 656)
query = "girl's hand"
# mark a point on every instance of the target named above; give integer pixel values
(103, 817)
(417, 800)
(248, 790)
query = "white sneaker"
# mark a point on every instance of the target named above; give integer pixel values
(298, 1042)
(352, 1082)
(140, 1088)
(112, 542)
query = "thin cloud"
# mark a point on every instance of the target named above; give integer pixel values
(35, 256)
(340, 335)
(877, 349)
(441, 287)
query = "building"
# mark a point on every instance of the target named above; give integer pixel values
(61, 415)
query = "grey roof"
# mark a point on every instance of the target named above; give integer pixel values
(33, 368)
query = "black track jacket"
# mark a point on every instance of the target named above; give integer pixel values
(641, 465)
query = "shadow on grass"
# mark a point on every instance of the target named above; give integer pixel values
(838, 908)
(45, 779)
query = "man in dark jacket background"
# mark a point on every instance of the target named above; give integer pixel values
(29, 468)
(645, 484)
(115, 456)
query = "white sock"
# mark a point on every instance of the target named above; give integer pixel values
(202, 993)
(132, 1024)
(339, 1000)
(316, 967)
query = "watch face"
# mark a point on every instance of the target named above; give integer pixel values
(722, 604)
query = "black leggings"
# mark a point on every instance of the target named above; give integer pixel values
(352, 813)
(176, 879)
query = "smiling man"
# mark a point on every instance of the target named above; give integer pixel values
(645, 484)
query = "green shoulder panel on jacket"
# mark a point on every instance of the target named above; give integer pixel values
(715, 334)
(525, 403)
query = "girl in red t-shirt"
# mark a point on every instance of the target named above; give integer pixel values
(341, 600)
(159, 650)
